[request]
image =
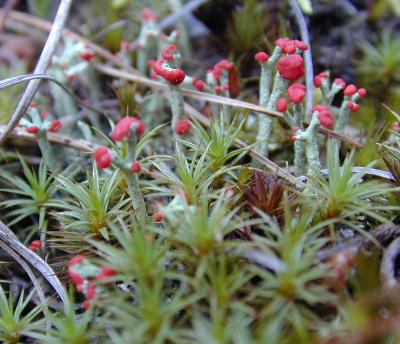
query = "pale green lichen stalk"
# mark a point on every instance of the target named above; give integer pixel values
(310, 144)
(148, 40)
(268, 98)
(125, 164)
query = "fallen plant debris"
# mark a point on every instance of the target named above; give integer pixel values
(160, 183)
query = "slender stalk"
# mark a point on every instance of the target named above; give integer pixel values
(136, 196)
(176, 101)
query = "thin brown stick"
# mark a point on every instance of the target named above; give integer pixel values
(41, 67)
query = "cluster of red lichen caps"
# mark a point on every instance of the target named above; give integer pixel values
(54, 127)
(78, 280)
(291, 66)
(175, 76)
(296, 93)
(121, 130)
(148, 14)
(325, 116)
(290, 46)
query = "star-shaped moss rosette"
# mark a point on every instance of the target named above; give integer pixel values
(128, 130)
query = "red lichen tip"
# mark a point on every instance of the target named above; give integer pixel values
(102, 157)
(106, 271)
(301, 45)
(125, 45)
(55, 126)
(75, 260)
(318, 79)
(281, 42)
(261, 57)
(136, 167)
(168, 52)
(281, 104)
(291, 67)
(174, 76)
(353, 106)
(296, 93)
(395, 125)
(199, 84)
(158, 216)
(33, 104)
(182, 126)
(350, 90)
(223, 64)
(150, 63)
(44, 113)
(339, 82)
(325, 117)
(362, 92)
(35, 245)
(148, 14)
(87, 55)
(76, 279)
(123, 128)
(91, 292)
(225, 87)
(218, 89)
(289, 47)
(33, 129)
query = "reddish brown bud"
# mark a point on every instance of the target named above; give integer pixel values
(33, 129)
(261, 57)
(281, 104)
(158, 216)
(55, 126)
(182, 126)
(102, 157)
(296, 93)
(136, 167)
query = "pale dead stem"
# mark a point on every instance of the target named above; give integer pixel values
(11, 241)
(305, 37)
(63, 140)
(41, 67)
